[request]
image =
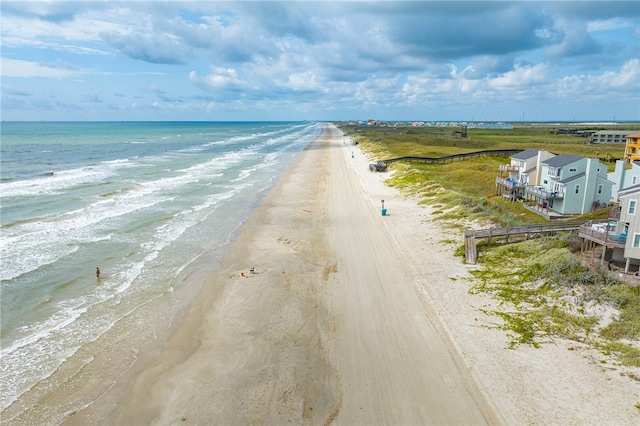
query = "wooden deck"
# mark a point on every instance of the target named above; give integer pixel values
(595, 233)
(471, 236)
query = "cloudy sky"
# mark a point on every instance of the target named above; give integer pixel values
(312, 60)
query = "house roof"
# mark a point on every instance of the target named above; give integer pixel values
(581, 175)
(578, 176)
(562, 160)
(630, 190)
(613, 132)
(526, 154)
(634, 135)
(528, 172)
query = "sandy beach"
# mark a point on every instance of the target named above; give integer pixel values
(354, 318)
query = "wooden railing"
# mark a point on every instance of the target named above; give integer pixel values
(600, 233)
(536, 228)
(509, 182)
(471, 236)
(615, 212)
(509, 168)
(450, 158)
(542, 193)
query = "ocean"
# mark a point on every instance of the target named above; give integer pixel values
(152, 204)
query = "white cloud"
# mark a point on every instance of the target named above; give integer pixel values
(219, 78)
(619, 86)
(608, 24)
(521, 76)
(26, 69)
(302, 81)
(629, 75)
(305, 56)
(575, 40)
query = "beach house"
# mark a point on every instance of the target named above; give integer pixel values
(627, 171)
(632, 147)
(624, 176)
(619, 236)
(629, 224)
(569, 185)
(521, 171)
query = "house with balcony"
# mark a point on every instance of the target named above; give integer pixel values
(632, 147)
(629, 224)
(522, 170)
(624, 176)
(569, 185)
(620, 235)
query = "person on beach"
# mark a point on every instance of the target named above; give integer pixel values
(98, 273)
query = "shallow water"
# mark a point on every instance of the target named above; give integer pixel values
(142, 201)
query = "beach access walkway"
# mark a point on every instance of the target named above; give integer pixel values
(472, 236)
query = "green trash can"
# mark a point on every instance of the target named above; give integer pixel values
(384, 212)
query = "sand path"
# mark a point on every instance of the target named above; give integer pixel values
(396, 363)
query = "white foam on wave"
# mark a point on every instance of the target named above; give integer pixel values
(56, 322)
(45, 345)
(30, 246)
(32, 356)
(62, 180)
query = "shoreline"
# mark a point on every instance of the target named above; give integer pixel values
(352, 318)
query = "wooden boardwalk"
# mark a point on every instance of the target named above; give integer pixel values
(471, 236)
(463, 156)
(451, 158)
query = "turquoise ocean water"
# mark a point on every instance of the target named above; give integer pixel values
(148, 203)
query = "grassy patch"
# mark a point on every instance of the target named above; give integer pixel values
(626, 353)
(543, 291)
(627, 300)
(465, 190)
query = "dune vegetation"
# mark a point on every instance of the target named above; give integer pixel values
(544, 290)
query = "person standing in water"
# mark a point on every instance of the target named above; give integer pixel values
(98, 273)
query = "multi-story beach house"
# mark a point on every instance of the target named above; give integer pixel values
(521, 171)
(624, 176)
(629, 224)
(569, 185)
(632, 147)
(620, 235)
(627, 171)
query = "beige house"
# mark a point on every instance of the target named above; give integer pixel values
(619, 236)
(522, 171)
(630, 224)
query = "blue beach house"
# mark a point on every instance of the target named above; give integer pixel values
(624, 176)
(569, 185)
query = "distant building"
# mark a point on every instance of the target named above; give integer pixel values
(610, 136)
(632, 147)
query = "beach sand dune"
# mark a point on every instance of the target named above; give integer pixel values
(352, 318)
